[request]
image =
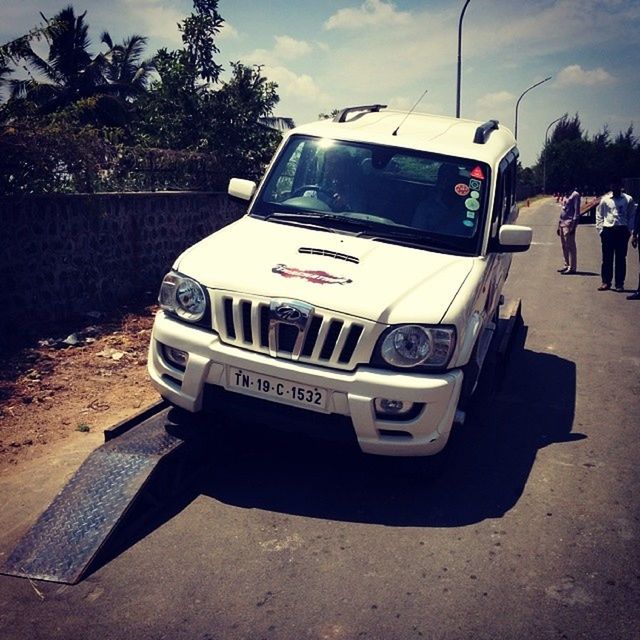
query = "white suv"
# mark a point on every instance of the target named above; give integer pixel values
(363, 283)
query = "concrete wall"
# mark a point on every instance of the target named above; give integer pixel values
(64, 255)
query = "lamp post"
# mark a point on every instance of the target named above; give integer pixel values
(544, 155)
(522, 95)
(460, 58)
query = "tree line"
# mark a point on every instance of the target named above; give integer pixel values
(572, 158)
(81, 121)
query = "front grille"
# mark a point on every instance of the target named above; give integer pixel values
(328, 338)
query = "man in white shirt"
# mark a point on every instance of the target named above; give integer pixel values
(615, 218)
(634, 243)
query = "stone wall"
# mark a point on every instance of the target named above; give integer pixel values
(64, 255)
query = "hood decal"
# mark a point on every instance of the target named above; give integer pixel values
(316, 277)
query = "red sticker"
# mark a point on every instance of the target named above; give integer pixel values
(477, 173)
(462, 189)
(317, 277)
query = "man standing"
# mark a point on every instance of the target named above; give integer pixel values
(567, 224)
(635, 245)
(615, 216)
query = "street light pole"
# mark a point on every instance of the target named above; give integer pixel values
(544, 155)
(460, 58)
(533, 86)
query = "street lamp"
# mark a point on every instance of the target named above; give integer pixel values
(533, 86)
(460, 58)
(544, 155)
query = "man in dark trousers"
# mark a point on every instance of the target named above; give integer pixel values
(615, 218)
(635, 245)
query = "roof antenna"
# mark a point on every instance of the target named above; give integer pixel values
(395, 133)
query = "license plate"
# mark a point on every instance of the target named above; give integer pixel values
(257, 384)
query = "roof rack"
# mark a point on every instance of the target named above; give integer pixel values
(484, 131)
(367, 108)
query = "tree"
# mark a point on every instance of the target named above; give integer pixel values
(70, 72)
(567, 129)
(127, 73)
(570, 158)
(190, 108)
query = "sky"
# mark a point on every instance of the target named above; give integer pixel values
(334, 53)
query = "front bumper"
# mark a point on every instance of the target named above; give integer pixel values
(349, 393)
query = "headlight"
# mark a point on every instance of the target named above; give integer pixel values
(183, 296)
(412, 345)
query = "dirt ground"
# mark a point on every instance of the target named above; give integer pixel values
(83, 378)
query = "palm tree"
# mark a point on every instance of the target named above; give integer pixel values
(71, 73)
(126, 72)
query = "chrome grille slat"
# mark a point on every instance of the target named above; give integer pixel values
(255, 325)
(237, 321)
(340, 342)
(322, 336)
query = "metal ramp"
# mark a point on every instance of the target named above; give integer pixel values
(66, 538)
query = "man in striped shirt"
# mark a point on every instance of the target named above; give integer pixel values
(615, 218)
(567, 224)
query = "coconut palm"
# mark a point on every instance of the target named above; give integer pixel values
(71, 73)
(68, 73)
(126, 72)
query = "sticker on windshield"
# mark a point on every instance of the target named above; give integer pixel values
(317, 277)
(471, 215)
(475, 184)
(475, 194)
(472, 204)
(462, 189)
(467, 223)
(477, 173)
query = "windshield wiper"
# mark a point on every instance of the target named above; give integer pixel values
(321, 218)
(414, 238)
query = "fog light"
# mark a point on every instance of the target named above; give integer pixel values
(176, 357)
(392, 407)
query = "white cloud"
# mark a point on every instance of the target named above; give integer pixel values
(285, 48)
(369, 13)
(288, 48)
(291, 86)
(149, 17)
(575, 75)
(493, 100)
(228, 32)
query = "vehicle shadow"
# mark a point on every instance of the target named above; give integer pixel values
(489, 463)
(522, 405)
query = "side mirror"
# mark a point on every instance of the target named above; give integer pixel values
(513, 238)
(241, 189)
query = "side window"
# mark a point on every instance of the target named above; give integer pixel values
(504, 208)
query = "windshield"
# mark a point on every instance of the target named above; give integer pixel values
(388, 193)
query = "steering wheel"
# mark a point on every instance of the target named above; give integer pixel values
(328, 199)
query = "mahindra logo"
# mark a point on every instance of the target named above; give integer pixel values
(287, 312)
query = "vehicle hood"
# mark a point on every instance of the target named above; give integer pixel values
(361, 277)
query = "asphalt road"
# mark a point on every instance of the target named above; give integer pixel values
(532, 530)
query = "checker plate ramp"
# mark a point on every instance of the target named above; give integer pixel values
(69, 534)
